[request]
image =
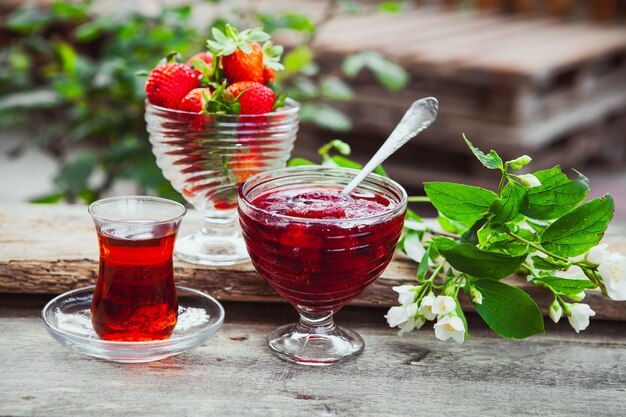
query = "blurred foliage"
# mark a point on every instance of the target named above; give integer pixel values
(67, 75)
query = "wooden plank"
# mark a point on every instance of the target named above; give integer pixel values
(52, 249)
(233, 374)
(603, 10)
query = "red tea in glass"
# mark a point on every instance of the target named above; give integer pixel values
(135, 297)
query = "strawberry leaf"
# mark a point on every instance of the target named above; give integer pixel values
(219, 35)
(280, 101)
(244, 46)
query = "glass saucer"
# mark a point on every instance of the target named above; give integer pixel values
(68, 320)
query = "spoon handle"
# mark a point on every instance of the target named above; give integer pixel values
(418, 117)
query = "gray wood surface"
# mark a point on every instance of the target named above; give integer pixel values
(556, 374)
(51, 249)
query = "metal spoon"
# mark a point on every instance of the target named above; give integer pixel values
(417, 118)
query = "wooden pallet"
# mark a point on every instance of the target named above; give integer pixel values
(514, 79)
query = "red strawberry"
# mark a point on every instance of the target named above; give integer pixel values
(196, 100)
(203, 56)
(269, 75)
(255, 97)
(167, 84)
(238, 88)
(241, 66)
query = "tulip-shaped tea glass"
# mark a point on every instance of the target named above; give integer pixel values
(135, 298)
(319, 264)
(206, 156)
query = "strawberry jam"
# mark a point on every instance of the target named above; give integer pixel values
(319, 249)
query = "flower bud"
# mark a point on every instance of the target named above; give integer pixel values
(529, 180)
(577, 297)
(476, 296)
(556, 311)
(518, 163)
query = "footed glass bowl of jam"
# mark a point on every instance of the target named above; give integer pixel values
(319, 250)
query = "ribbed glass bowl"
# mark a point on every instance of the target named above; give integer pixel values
(68, 320)
(205, 157)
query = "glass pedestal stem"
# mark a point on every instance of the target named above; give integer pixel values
(218, 242)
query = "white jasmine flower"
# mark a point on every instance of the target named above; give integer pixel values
(413, 247)
(597, 254)
(404, 317)
(556, 311)
(450, 327)
(443, 304)
(612, 269)
(573, 272)
(426, 307)
(396, 316)
(406, 293)
(414, 321)
(578, 316)
(529, 180)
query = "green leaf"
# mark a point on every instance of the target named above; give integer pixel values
(450, 225)
(218, 35)
(28, 19)
(336, 89)
(556, 196)
(296, 59)
(69, 11)
(343, 162)
(335, 144)
(546, 264)
(325, 116)
(443, 243)
(47, 199)
(480, 263)
(67, 57)
(564, 285)
(293, 21)
(391, 75)
(463, 203)
(491, 161)
(580, 229)
(505, 208)
(294, 162)
(471, 236)
(507, 310)
(422, 269)
(459, 312)
(390, 7)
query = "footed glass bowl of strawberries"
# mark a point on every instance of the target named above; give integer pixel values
(213, 122)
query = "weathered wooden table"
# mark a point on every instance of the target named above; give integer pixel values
(559, 373)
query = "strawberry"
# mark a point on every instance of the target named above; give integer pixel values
(242, 66)
(254, 98)
(269, 75)
(202, 56)
(196, 100)
(168, 83)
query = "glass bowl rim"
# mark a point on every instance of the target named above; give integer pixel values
(294, 108)
(400, 207)
(147, 344)
(97, 203)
